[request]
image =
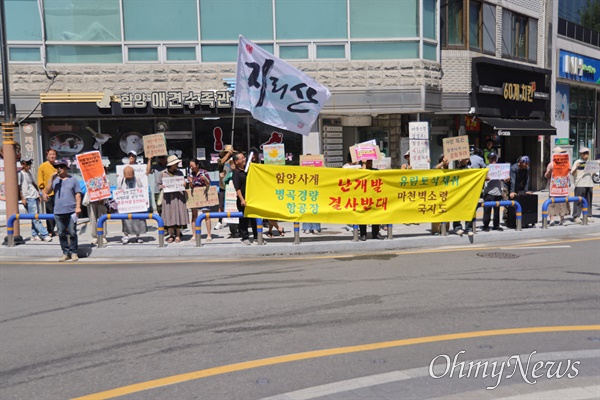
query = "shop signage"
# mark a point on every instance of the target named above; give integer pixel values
(516, 91)
(580, 68)
(561, 141)
(163, 100)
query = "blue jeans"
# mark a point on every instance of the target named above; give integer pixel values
(37, 228)
(67, 233)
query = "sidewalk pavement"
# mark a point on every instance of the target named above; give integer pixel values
(333, 239)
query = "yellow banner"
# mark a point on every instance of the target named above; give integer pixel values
(359, 196)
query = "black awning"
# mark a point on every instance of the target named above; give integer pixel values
(519, 127)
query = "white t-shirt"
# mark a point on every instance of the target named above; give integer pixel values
(27, 185)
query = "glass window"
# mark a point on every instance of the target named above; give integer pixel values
(384, 50)
(506, 33)
(489, 28)
(520, 36)
(84, 54)
(226, 20)
(454, 21)
(24, 54)
(124, 133)
(83, 20)
(532, 48)
(181, 53)
(23, 20)
(160, 20)
(429, 51)
(311, 19)
(142, 54)
(293, 52)
(429, 19)
(225, 52)
(331, 51)
(475, 25)
(384, 18)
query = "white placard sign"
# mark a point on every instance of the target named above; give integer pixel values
(131, 200)
(591, 167)
(418, 133)
(140, 177)
(499, 171)
(173, 184)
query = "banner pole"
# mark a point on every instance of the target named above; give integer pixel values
(232, 125)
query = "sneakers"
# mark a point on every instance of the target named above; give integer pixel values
(460, 232)
(246, 242)
(470, 233)
(218, 226)
(139, 240)
(94, 242)
(74, 257)
(379, 237)
(362, 238)
(125, 240)
(498, 228)
(47, 239)
(35, 239)
(64, 258)
(577, 220)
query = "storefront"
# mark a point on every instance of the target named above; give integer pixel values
(512, 103)
(576, 108)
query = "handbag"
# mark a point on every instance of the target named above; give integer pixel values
(159, 201)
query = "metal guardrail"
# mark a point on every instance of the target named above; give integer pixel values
(10, 224)
(504, 203)
(156, 217)
(237, 214)
(557, 200)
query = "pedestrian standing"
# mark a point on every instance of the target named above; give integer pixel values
(584, 185)
(156, 169)
(492, 192)
(199, 180)
(135, 227)
(174, 211)
(457, 225)
(67, 206)
(239, 182)
(45, 171)
(30, 197)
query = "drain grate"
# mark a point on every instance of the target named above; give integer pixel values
(500, 255)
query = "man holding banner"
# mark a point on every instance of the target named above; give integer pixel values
(584, 185)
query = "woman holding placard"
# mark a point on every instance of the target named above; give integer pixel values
(199, 179)
(174, 212)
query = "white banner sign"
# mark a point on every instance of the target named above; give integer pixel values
(275, 92)
(591, 167)
(499, 171)
(418, 133)
(140, 177)
(131, 200)
(173, 184)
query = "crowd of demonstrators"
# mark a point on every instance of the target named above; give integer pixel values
(67, 206)
(198, 178)
(45, 172)
(174, 212)
(492, 192)
(156, 169)
(584, 185)
(30, 197)
(457, 225)
(556, 209)
(135, 227)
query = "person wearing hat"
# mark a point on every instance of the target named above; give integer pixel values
(45, 172)
(174, 212)
(30, 197)
(584, 185)
(407, 158)
(492, 192)
(156, 169)
(67, 206)
(132, 156)
(224, 167)
(555, 209)
(519, 177)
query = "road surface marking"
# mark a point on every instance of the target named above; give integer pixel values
(224, 369)
(535, 247)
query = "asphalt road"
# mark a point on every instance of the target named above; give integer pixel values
(71, 330)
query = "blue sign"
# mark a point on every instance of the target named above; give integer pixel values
(578, 68)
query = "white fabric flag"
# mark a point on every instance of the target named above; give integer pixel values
(275, 92)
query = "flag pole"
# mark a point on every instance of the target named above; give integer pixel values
(232, 124)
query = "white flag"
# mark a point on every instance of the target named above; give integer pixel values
(275, 92)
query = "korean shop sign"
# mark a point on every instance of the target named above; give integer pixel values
(176, 100)
(360, 196)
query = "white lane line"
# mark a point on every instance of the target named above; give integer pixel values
(535, 247)
(580, 393)
(396, 376)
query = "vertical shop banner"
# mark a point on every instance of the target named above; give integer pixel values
(341, 196)
(92, 171)
(131, 200)
(274, 154)
(155, 145)
(499, 171)
(418, 141)
(275, 92)
(456, 148)
(559, 182)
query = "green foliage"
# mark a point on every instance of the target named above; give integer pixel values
(590, 15)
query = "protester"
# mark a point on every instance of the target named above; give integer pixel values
(489, 148)
(224, 168)
(492, 192)
(519, 177)
(457, 225)
(272, 223)
(443, 162)
(156, 169)
(239, 182)
(45, 171)
(407, 158)
(374, 227)
(95, 210)
(30, 197)
(174, 212)
(556, 209)
(476, 159)
(67, 206)
(135, 227)
(584, 185)
(199, 178)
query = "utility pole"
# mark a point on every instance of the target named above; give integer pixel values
(11, 186)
